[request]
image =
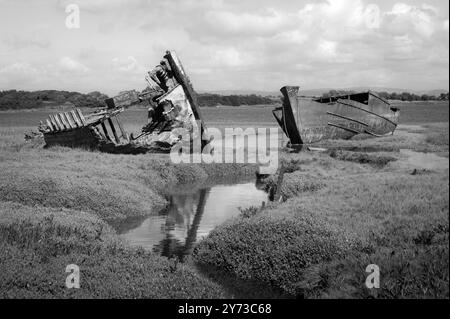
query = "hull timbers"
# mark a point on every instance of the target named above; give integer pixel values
(173, 114)
(307, 120)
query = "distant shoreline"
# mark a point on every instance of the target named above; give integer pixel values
(138, 108)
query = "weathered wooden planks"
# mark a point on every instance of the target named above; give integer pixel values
(81, 117)
(308, 120)
(113, 129)
(122, 131)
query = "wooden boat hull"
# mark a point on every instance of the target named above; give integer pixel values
(90, 138)
(173, 113)
(308, 120)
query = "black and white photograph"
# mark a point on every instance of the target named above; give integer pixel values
(238, 154)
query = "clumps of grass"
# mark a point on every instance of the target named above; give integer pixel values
(293, 184)
(419, 171)
(439, 139)
(404, 210)
(54, 231)
(109, 198)
(123, 273)
(229, 170)
(249, 211)
(375, 160)
(370, 148)
(297, 182)
(401, 222)
(111, 186)
(404, 273)
(371, 145)
(37, 243)
(292, 165)
(273, 249)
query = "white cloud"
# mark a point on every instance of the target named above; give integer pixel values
(128, 64)
(20, 73)
(404, 17)
(20, 41)
(69, 64)
(101, 5)
(22, 68)
(291, 37)
(339, 17)
(228, 57)
(327, 49)
(247, 23)
(233, 44)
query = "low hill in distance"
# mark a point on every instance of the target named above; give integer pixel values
(22, 100)
(17, 100)
(322, 91)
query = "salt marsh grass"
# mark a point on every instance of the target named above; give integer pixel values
(338, 214)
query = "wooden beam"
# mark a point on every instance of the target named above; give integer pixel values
(76, 118)
(99, 132)
(69, 120)
(54, 123)
(105, 131)
(122, 131)
(113, 129)
(63, 121)
(49, 125)
(72, 118)
(81, 116)
(60, 125)
(73, 123)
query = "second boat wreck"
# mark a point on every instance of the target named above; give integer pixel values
(307, 120)
(173, 113)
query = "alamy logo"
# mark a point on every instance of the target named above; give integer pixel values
(73, 17)
(257, 146)
(372, 16)
(73, 279)
(373, 279)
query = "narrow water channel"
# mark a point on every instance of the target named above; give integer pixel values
(191, 214)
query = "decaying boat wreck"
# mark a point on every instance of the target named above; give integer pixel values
(173, 113)
(93, 131)
(307, 120)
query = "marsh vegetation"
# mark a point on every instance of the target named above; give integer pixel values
(361, 202)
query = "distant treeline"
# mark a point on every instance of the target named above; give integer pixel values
(405, 96)
(16, 100)
(233, 100)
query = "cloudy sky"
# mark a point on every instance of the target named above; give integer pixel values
(226, 44)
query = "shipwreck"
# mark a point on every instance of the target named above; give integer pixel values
(306, 120)
(172, 112)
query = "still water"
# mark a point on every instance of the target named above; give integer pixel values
(191, 214)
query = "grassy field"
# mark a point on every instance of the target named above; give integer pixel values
(56, 208)
(363, 201)
(134, 118)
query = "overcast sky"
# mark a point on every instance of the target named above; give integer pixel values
(226, 44)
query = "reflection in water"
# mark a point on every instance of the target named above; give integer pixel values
(190, 215)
